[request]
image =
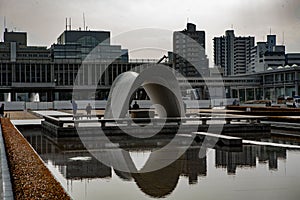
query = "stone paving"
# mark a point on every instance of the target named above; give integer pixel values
(19, 115)
(27, 115)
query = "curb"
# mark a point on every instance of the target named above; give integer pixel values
(6, 180)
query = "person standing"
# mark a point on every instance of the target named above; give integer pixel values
(135, 106)
(2, 110)
(88, 110)
(74, 107)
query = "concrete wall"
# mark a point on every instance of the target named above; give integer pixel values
(17, 105)
(39, 105)
(192, 104)
(66, 105)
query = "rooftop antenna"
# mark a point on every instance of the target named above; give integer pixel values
(83, 22)
(70, 24)
(4, 22)
(270, 30)
(283, 38)
(66, 23)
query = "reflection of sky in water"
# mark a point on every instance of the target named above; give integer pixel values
(258, 172)
(139, 158)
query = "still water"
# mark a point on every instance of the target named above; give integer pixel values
(250, 172)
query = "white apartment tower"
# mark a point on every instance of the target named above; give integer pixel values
(232, 53)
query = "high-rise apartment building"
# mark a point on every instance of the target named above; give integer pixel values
(189, 52)
(233, 53)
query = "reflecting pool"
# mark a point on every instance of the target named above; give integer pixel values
(250, 172)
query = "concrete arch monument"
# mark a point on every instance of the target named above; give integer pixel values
(160, 85)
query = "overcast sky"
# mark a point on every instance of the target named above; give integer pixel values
(148, 24)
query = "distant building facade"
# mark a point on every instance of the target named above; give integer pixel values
(233, 53)
(77, 45)
(292, 59)
(189, 52)
(26, 71)
(267, 55)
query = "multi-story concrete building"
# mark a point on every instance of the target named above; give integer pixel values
(27, 71)
(77, 45)
(233, 53)
(267, 55)
(189, 52)
(292, 59)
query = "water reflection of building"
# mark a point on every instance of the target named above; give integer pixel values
(231, 160)
(158, 183)
(193, 166)
(61, 151)
(84, 166)
(271, 155)
(247, 158)
(86, 169)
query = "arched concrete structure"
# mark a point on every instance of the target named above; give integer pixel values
(120, 91)
(159, 83)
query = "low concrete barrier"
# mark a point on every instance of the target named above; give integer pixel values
(67, 105)
(101, 104)
(15, 105)
(39, 105)
(5, 175)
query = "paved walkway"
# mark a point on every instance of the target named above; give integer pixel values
(20, 115)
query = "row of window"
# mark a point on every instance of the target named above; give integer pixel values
(26, 55)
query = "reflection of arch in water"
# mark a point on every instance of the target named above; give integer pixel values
(157, 183)
(161, 182)
(160, 85)
(125, 176)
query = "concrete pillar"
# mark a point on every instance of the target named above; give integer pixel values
(35, 97)
(296, 84)
(49, 96)
(13, 96)
(7, 97)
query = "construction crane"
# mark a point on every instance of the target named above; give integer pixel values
(160, 60)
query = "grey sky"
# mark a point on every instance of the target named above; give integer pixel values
(44, 20)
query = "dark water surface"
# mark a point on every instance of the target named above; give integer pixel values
(250, 172)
